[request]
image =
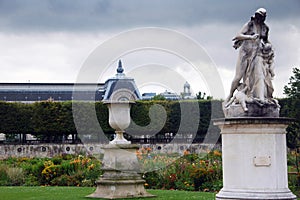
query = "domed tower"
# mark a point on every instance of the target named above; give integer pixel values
(186, 89)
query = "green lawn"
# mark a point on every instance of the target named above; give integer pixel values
(74, 193)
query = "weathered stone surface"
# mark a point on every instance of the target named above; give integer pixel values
(120, 158)
(50, 150)
(254, 110)
(115, 189)
(254, 158)
(121, 178)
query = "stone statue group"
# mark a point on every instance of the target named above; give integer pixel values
(254, 65)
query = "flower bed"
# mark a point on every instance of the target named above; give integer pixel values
(161, 171)
(65, 170)
(190, 172)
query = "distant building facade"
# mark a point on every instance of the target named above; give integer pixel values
(167, 95)
(33, 92)
(186, 94)
(170, 95)
(148, 95)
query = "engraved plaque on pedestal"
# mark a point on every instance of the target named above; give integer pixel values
(262, 161)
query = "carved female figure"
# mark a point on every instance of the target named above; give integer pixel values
(249, 41)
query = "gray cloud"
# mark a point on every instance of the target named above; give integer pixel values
(40, 38)
(97, 15)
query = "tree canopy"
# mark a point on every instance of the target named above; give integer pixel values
(291, 109)
(55, 121)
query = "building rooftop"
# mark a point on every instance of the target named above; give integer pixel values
(31, 92)
(120, 82)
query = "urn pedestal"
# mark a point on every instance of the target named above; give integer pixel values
(254, 158)
(121, 177)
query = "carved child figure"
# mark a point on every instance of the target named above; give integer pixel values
(240, 97)
(267, 54)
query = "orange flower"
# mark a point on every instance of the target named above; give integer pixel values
(186, 152)
(217, 153)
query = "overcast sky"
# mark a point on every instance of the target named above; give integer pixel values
(50, 40)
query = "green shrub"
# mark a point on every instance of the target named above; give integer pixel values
(57, 160)
(152, 180)
(64, 170)
(16, 176)
(63, 180)
(189, 172)
(294, 183)
(31, 180)
(4, 179)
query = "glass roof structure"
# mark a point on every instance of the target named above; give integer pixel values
(32, 92)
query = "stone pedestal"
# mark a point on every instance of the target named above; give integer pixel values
(254, 158)
(254, 110)
(121, 178)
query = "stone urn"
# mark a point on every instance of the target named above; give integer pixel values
(119, 119)
(121, 171)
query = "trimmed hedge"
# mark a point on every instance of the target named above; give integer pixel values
(54, 121)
